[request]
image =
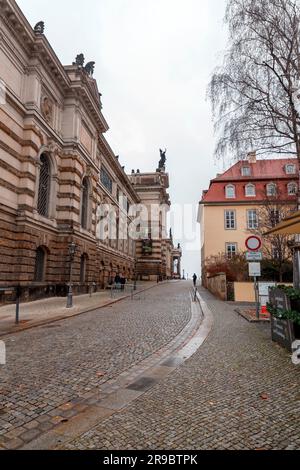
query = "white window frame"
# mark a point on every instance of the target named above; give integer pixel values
(294, 186)
(231, 254)
(227, 188)
(246, 171)
(292, 167)
(231, 218)
(273, 185)
(252, 186)
(252, 222)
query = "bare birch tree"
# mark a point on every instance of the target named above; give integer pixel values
(253, 93)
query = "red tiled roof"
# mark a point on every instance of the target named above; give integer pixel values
(262, 173)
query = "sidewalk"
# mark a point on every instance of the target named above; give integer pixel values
(44, 311)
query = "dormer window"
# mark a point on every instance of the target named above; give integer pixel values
(250, 190)
(230, 191)
(292, 189)
(290, 169)
(246, 171)
(271, 189)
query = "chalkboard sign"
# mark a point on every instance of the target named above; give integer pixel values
(282, 331)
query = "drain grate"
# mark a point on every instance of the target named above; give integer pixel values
(172, 362)
(142, 384)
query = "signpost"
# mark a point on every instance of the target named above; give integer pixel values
(254, 256)
(253, 244)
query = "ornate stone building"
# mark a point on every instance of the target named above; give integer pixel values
(56, 168)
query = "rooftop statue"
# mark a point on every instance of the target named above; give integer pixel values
(162, 161)
(39, 27)
(89, 68)
(79, 61)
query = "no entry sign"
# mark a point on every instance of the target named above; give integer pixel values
(253, 243)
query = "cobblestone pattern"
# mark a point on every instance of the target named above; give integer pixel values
(239, 391)
(52, 371)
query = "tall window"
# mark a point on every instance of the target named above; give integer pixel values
(274, 217)
(106, 179)
(271, 189)
(84, 202)
(230, 220)
(230, 191)
(44, 186)
(231, 250)
(83, 263)
(292, 189)
(250, 190)
(252, 219)
(39, 271)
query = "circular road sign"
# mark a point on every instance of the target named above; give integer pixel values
(253, 243)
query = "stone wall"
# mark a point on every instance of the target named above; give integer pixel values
(217, 285)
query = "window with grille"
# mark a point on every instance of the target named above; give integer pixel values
(230, 220)
(274, 217)
(84, 203)
(271, 189)
(250, 190)
(230, 191)
(39, 272)
(290, 169)
(292, 189)
(252, 219)
(106, 179)
(231, 250)
(246, 171)
(44, 186)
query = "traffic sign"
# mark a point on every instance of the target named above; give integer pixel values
(253, 243)
(254, 256)
(254, 270)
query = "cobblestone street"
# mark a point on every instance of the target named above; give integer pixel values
(61, 363)
(214, 400)
(238, 391)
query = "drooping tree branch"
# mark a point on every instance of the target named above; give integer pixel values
(252, 92)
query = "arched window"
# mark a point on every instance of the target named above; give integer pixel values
(230, 191)
(250, 190)
(292, 189)
(44, 186)
(83, 267)
(85, 203)
(271, 189)
(40, 262)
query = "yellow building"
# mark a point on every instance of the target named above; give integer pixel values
(229, 209)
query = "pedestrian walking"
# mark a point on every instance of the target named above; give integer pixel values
(195, 279)
(123, 282)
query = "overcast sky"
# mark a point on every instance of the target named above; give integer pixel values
(153, 60)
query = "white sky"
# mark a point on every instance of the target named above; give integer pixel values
(153, 60)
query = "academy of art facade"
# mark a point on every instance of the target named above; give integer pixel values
(57, 170)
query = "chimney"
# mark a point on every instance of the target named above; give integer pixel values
(252, 157)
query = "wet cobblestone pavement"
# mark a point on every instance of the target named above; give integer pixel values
(238, 391)
(52, 369)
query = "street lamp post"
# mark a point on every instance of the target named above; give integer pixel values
(72, 250)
